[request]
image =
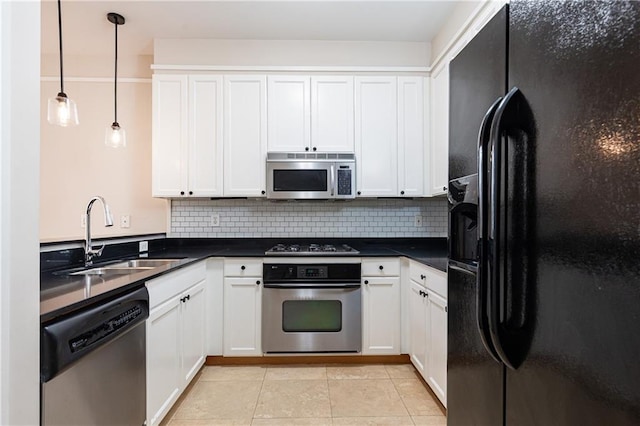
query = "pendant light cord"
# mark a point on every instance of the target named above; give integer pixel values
(60, 40)
(115, 80)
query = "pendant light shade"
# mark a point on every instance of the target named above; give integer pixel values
(115, 136)
(62, 111)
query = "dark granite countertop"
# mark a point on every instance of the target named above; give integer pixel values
(61, 293)
(429, 251)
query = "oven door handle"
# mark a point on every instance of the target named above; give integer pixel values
(313, 286)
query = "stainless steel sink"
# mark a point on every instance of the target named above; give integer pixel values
(110, 270)
(143, 263)
(122, 268)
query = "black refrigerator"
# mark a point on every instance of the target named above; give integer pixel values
(544, 244)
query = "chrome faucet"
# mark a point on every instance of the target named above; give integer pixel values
(89, 251)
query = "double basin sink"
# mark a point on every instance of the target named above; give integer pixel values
(125, 267)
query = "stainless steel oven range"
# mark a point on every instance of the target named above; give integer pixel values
(311, 308)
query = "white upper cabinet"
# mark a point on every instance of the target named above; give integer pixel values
(169, 135)
(310, 113)
(211, 133)
(439, 146)
(332, 103)
(411, 158)
(205, 135)
(187, 136)
(376, 136)
(245, 135)
(289, 113)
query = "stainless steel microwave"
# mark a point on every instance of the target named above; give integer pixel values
(311, 176)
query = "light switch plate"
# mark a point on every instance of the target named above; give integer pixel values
(125, 221)
(417, 221)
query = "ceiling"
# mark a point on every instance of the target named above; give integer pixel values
(86, 29)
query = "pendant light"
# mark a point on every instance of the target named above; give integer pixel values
(115, 136)
(62, 111)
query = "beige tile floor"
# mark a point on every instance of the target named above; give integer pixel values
(307, 395)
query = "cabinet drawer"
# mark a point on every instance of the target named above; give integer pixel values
(430, 278)
(174, 283)
(381, 267)
(243, 267)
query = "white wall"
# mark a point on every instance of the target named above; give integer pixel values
(290, 53)
(76, 165)
(463, 11)
(19, 186)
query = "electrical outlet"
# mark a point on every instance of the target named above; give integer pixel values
(215, 219)
(83, 221)
(417, 220)
(125, 221)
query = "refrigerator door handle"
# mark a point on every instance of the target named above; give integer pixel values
(483, 205)
(510, 268)
(496, 237)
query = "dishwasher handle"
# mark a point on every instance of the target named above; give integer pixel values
(65, 341)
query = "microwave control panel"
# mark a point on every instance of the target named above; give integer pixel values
(345, 180)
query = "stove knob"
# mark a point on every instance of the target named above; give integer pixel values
(366, 281)
(381, 267)
(243, 267)
(258, 282)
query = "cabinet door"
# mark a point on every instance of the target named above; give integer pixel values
(418, 327)
(242, 316)
(245, 135)
(289, 117)
(376, 136)
(439, 161)
(437, 341)
(163, 359)
(381, 316)
(193, 326)
(205, 136)
(169, 154)
(332, 108)
(411, 136)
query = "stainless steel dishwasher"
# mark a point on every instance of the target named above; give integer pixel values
(93, 364)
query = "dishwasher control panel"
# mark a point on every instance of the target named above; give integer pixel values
(105, 329)
(65, 340)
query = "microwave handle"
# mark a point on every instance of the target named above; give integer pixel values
(333, 179)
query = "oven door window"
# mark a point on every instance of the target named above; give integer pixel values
(300, 180)
(300, 316)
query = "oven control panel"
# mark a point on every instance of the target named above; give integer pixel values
(312, 272)
(337, 272)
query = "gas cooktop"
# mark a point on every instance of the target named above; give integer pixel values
(311, 249)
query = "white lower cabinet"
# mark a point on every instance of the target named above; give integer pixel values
(242, 307)
(163, 359)
(437, 353)
(428, 326)
(418, 327)
(381, 306)
(175, 336)
(192, 331)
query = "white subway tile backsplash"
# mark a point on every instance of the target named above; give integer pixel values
(260, 218)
